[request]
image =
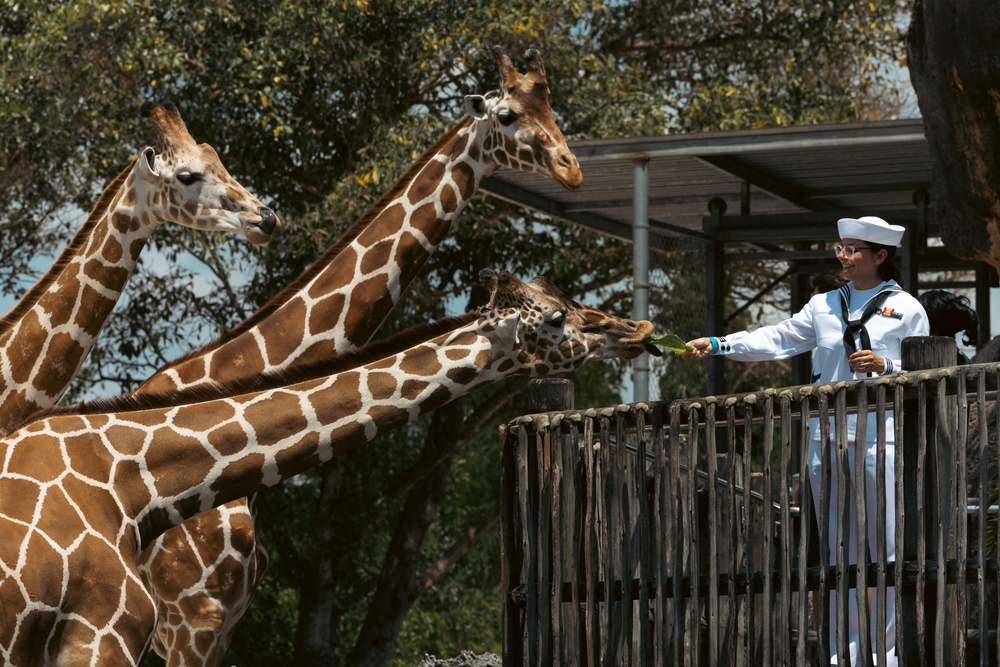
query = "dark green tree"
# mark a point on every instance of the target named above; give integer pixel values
(318, 107)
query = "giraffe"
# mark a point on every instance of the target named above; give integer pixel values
(84, 489)
(45, 338)
(211, 566)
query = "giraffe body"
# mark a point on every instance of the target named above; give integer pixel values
(49, 332)
(82, 494)
(333, 308)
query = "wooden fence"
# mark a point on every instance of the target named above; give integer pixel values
(679, 534)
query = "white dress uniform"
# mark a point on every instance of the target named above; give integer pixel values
(820, 325)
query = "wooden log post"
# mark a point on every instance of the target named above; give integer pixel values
(517, 568)
(936, 456)
(550, 395)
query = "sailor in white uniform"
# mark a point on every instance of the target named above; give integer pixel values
(857, 331)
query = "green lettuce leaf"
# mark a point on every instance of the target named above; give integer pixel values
(671, 342)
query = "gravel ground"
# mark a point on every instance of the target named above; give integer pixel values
(465, 659)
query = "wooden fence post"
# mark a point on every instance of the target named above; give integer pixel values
(922, 353)
(550, 395)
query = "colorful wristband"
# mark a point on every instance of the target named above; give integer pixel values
(715, 344)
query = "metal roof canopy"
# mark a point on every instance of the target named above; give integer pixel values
(776, 186)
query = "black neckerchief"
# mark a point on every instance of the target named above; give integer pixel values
(852, 327)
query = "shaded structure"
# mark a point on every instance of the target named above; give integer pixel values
(754, 195)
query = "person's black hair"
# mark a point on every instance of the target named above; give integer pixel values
(887, 270)
(949, 314)
(827, 281)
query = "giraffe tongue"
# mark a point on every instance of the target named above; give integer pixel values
(654, 350)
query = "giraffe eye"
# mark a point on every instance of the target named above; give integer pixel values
(558, 319)
(187, 177)
(506, 117)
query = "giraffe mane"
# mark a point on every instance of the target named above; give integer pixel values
(82, 236)
(326, 257)
(372, 352)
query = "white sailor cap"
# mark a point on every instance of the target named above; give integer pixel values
(872, 229)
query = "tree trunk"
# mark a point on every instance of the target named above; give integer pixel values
(954, 64)
(315, 633)
(397, 590)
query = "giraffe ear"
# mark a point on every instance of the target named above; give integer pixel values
(475, 106)
(509, 328)
(146, 165)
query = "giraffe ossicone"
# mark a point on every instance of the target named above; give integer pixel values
(204, 575)
(48, 333)
(84, 489)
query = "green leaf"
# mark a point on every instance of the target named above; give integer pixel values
(672, 342)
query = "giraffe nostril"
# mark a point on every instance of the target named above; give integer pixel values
(567, 159)
(268, 221)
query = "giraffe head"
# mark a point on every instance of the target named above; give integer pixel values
(552, 333)
(523, 133)
(189, 185)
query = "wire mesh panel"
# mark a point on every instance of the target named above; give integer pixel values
(680, 533)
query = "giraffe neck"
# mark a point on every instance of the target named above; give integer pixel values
(45, 338)
(181, 460)
(341, 301)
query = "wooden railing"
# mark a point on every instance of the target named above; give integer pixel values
(677, 533)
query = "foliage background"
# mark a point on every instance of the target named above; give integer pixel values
(317, 107)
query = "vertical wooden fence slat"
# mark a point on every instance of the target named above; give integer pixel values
(510, 556)
(732, 482)
(573, 553)
(841, 550)
(663, 537)
(942, 495)
(645, 516)
(557, 539)
(694, 542)
(905, 511)
(994, 378)
(922, 518)
(712, 465)
(881, 544)
(612, 549)
(767, 559)
(806, 511)
(676, 523)
(542, 510)
(747, 533)
(983, 450)
(785, 475)
(860, 555)
(959, 499)
(826, 641)
(591, 543)
(623, 507)
(525, 531)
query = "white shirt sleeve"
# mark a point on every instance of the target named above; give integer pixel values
(786, 339)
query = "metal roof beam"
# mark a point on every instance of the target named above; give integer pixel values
(759, 179)
(610, 204)
(847, 135)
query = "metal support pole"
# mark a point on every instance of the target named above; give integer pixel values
(914, 242)
(715, 292)
(985, 278)
(640, 271)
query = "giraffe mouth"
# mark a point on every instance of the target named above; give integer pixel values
(566, 170)
(268, 221)
(259, 233)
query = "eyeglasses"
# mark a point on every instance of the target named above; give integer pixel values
(849, 250)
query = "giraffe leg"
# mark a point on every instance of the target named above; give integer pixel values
(200, 601)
